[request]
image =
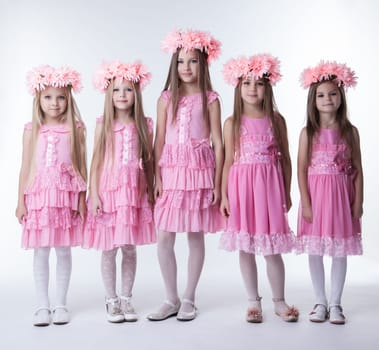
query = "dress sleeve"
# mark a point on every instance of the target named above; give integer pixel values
(28, 126)
(212, 96)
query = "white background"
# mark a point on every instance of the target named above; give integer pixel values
(82, 34)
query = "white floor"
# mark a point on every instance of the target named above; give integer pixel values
(221, 301)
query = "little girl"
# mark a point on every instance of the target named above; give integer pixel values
(52, 184)
(331, 185)
(121, 185)
(189, 155)
(256, 180)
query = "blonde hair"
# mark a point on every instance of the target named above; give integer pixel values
(77, 135)
(173, 82)
(270, 110)
(106, 140)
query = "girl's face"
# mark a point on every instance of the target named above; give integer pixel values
(252, 91)
(123, 95)
(53, 103)
(328, 98)
(188, 66)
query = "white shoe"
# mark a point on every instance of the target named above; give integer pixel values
(127, 308)
(187, 315)
(319, 313)
(42, 317)
(336, 315)
(168, 309)
(61, 315)
(114, 313)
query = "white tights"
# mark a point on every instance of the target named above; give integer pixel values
(167, 262)
(338, 276)
(275, 274)
(41, 275)
(128, 270)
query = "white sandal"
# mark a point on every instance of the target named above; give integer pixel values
(172, 310)
(336, 315)
(61, 315)
(319, 313)
(187, 315)
(128, 309)
(42, 317)
(114, 313)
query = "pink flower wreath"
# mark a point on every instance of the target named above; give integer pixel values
(190, 40)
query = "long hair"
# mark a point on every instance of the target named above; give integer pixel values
(77, 137)
(313, 119)
(173, 82)
(105, 144)
(269, 109)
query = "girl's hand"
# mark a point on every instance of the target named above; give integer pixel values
(357, 211)
(307, 213)
(216, 197)
(224, 207)
(96, 207)
(157, 189)
(21, 212)
(82, 208)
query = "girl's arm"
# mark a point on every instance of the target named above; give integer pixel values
(216, 137)
(21, 210)
(159, 143)
(229, 160)
(82, 207)
(150, 171)
(286, 163)
(357, 209)
(94, 183)
(302, 176)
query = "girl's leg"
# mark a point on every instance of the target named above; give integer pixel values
(41, 276)
(276, 277)
(167, 263)
(108, 272)
(316, 268)
(195, 266)
(41, 281)
(128, 274)
(249, 274)
(338, 276)
(64, 266)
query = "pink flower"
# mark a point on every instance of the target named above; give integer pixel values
(43, 76)
(134, 72)
(328, 70)
(191, 40)
(257, 66)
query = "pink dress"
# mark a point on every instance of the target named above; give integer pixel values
(258, 215)
(126, 216)
(187, 168)
(333, 230)
(53, 192)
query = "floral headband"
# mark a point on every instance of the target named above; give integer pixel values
(134, 72)
(257, 66)
(328, 70)
(190, 40)
(39, 78)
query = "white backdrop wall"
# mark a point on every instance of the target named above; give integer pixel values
(82, 34)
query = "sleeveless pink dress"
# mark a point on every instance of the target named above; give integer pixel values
(187, 168)
(333, 230)
(258, 215)
(53, 193)
(126, 217)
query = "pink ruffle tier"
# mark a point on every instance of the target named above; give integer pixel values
(50, 201)
(187, 174)
(126, 218)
